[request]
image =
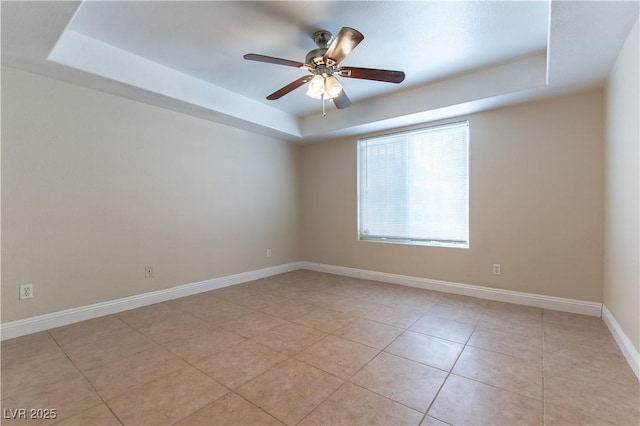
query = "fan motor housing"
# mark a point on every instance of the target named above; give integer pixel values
(315, 56)
(322, 39)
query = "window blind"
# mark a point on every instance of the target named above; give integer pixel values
(414, 186)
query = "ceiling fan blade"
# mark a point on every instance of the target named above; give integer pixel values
(372, 74)
(342, 100)
(272, 60)
(346, 40)
(289, 87)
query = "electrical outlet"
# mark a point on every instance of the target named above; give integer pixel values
(26, 291)
(496, 269)
(148, 271)
(268, 252)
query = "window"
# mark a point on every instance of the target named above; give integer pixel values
(414, 187)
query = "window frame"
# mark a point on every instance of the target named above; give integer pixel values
(415, 241)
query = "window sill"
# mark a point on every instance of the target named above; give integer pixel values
(416, 242)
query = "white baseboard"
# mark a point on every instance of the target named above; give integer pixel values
(58, 319)
(628, 350)
(38, 323)
(529, 299)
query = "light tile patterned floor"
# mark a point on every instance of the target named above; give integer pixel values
(312, 348)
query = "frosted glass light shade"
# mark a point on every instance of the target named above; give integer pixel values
(316, 87)
(332, 86)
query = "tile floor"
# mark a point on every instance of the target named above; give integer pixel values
(310, 348)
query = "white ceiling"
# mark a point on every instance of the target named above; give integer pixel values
(459, 57)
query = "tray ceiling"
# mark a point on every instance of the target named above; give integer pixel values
(459, 57)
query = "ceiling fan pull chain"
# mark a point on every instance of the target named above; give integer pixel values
(324, 113)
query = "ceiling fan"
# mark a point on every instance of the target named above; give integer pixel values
(324, 64)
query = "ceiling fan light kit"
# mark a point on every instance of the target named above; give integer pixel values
(324, 87)
(323, 63)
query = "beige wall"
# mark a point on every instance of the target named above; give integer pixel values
(95, 187)
(536, 204)
(622, 234)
